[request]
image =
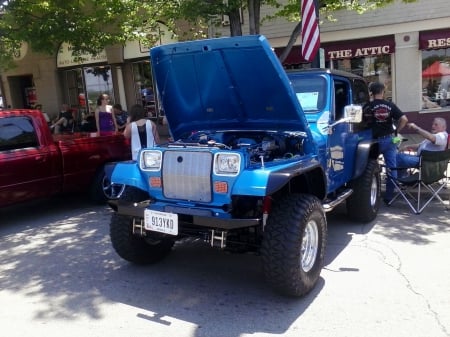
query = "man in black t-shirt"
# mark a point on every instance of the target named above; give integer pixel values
(385, 119)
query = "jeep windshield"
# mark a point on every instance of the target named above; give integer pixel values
(310, 90)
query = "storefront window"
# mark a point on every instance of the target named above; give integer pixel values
(73, 79)
(435, 78)
(435, 50)
(83, 86)
(144, 87)
(98, 81)
(372, 68)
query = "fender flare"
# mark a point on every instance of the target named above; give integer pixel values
(363, 152)
(278, 179)
(126, 173)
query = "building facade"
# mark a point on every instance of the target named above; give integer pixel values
(406, 46)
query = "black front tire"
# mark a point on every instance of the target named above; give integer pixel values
(364, 203)
(293, 246)
(131, 247)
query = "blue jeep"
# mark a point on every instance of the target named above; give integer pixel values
(259, 156)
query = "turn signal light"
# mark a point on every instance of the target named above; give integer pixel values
(220, 187)
(155, 182)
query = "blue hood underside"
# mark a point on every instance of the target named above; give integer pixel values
(233, 83)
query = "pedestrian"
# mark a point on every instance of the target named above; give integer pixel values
(386, 120)
(105, 119)
(64, 121)
(121, 116)
(47, 118)
(141, 130)
(436, 140)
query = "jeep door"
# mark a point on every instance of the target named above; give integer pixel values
(342, 141)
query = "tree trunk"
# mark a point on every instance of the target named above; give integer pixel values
(254, 16)
(294, 35)
(235, 22)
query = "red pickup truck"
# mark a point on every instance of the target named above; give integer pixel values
(34, 163)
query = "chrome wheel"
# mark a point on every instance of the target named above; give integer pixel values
(112, 190)
(310, 246)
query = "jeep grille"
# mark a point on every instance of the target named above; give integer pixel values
(187, 175)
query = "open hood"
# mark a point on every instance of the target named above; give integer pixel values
(232, 83)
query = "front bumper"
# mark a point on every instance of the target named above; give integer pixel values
(210, 218)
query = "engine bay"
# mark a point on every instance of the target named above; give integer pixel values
(261, 146)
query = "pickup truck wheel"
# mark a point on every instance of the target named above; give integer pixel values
(103, 189)
(363, 204)
(294, 242)
(133, 248)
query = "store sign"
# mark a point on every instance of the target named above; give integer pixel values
(66, 58)
(136, 49)
(360, 48)
(359, 52)
(439, 39)
(438, 43)
(346, 49)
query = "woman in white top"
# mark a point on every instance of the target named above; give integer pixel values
(141, 130)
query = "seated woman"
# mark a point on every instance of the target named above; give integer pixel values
(64, 122)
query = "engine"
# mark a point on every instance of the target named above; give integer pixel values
(261, 146)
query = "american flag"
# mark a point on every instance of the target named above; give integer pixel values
(310, 30)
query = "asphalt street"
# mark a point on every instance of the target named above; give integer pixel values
(60, 277)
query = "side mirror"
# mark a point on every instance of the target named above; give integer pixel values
(353, 113)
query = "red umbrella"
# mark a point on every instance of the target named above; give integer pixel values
(437, 69)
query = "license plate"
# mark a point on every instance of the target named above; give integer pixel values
(162, 222)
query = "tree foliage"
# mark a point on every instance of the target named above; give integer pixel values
(90, 25)
(87, 25)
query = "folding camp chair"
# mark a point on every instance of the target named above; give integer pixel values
(421, 187)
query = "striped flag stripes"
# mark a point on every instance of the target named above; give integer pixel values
(310, 30)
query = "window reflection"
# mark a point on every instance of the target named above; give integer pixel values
(144, 88)
(372, 68)
(435, 78)
(98, 81)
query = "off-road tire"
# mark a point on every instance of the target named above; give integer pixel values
(364, 203)
(133, 248)
(293, 246)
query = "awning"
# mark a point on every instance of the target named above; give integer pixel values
(434, 39)
(346, 49)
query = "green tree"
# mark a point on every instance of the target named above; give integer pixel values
(87, 25)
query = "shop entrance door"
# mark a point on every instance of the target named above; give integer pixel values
(23, 93)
